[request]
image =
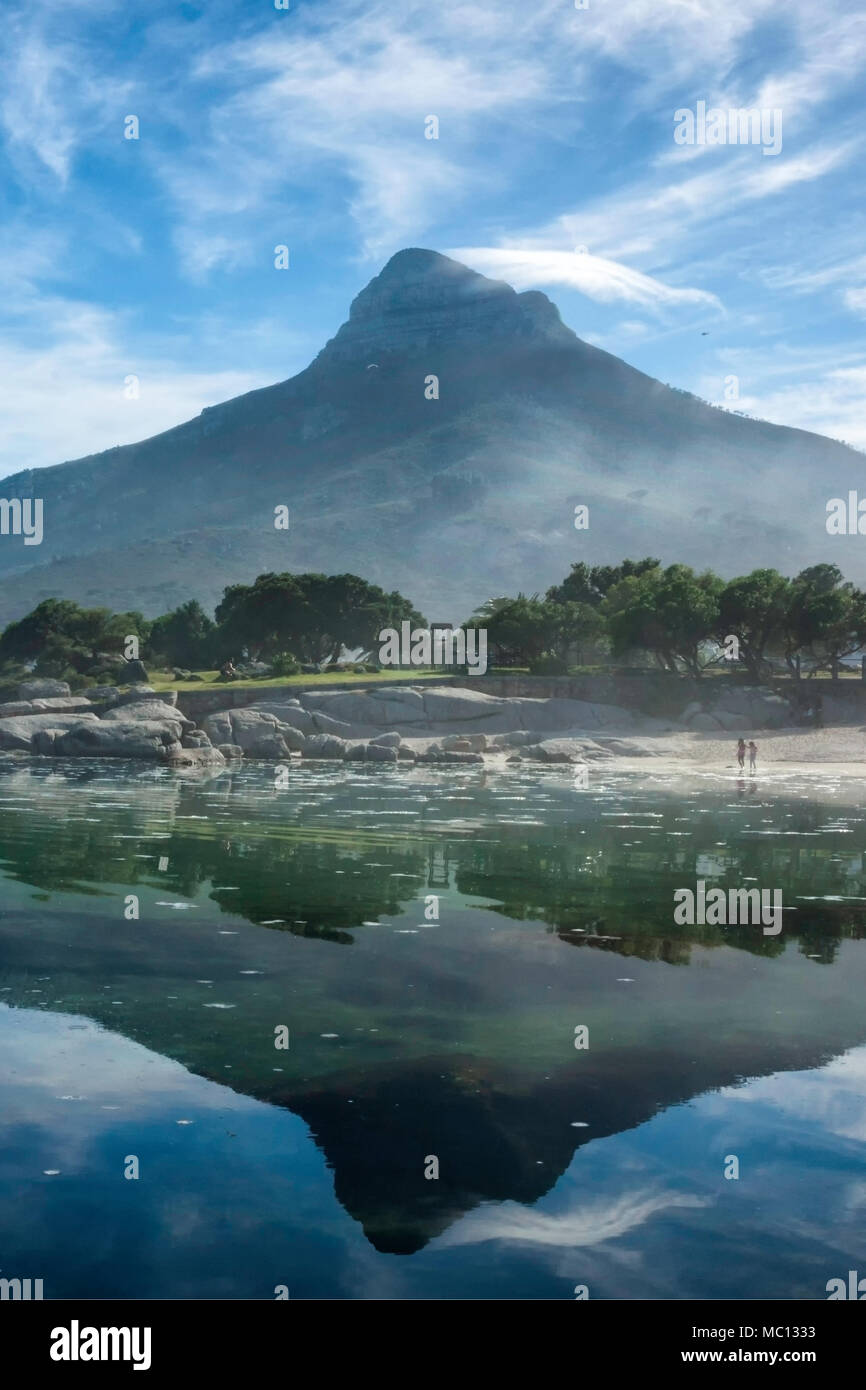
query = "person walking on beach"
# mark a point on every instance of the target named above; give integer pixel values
(753, 753)
(741, 753)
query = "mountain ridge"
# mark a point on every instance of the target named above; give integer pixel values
(450, 499)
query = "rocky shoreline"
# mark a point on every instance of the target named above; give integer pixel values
(448, 725)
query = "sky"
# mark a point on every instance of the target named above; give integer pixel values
(735, 270)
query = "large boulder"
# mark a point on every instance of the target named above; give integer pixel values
(324, 746)
(557, 750)
(151, 711)
(368, 709)
(230, 751)
(446, 705)
(705, 723)
(18, 732)
(42, 689)
(104, 738)
(60, 704)
(103, 694)
(378, 753)
(195, 738)
(326, 725)
(138, 692)
(516, 739)
(257, 733)
(131, 672)
(390, 740)
(748, 707)
(465, 743)
(287, 712)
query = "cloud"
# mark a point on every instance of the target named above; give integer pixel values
(586, 1224)
(595, 276)
(64, 397)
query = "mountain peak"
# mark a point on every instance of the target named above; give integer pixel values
(422, 298)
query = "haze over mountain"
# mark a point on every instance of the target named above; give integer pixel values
(450, 500)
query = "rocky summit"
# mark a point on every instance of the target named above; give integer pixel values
(438, 444)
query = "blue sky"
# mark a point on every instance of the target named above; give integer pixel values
(305, 127)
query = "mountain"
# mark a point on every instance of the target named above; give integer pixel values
(450, 500)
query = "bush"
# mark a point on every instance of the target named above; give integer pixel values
(548, 666)
(284, 664)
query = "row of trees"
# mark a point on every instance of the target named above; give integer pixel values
(637, 610)
(286, 619)
(682, 619)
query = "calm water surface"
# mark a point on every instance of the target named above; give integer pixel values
(413, 1037)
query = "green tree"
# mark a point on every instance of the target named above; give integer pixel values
(184, 637)
(825, 618)
(753, 608)
(590, 585)
(312, 615)
(672, 613)
(531, 631)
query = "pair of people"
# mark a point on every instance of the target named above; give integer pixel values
(741, 754)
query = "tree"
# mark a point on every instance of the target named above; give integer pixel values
(312, 615)
(590, 585)
(184, 637)
(59, 635)
(825, 617)
(528, 631)
(671, 613)
(753, 608)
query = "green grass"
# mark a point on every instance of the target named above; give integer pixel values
(164, 680)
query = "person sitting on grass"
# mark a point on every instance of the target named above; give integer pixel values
(227, 671)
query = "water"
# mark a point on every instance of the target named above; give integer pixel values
(413, 1038)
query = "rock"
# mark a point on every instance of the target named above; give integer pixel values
(558, 750)
(286, 712)
(379, 753)
(447, 705)
(103, 694)
(136, 693)
(324, 746)
(391, 740)
(17, 733)
(435, 754)
(705, 722)
(292, 737)
(103, 738)
(516, 739)
(230, 751)
(257, 733)
(356, 753)
(465, 743)
(218, 727)
(326, 725)
(694, 707)
(61, 704)
(42, 743)
(405, 753)
(132, 671)
(42, 689)
(195, 738)
(151, 711)
(196, 757)
(368, 709)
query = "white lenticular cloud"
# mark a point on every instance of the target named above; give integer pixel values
(594, 276)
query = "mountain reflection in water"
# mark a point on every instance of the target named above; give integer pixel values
(450, 1037)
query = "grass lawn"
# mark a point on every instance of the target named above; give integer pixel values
(164, 680)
